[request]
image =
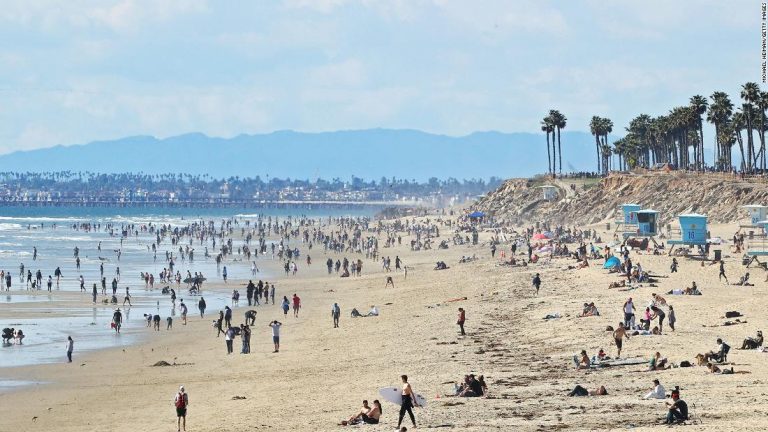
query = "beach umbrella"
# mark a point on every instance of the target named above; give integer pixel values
(540, 236)
(611, 262)
(476, 215)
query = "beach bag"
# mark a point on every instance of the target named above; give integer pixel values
(112, 325)
(685, 363)
(732, 314)
(181, 401)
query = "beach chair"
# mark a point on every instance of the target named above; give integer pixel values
(722, 357)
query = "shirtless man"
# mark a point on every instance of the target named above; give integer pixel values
(408, 402)
(618, 336)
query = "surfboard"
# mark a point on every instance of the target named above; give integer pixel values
(394, 395)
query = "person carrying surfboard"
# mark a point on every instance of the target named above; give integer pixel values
(408, 402)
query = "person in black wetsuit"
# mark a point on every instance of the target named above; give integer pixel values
(408, 402)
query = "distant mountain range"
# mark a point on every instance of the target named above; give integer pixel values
(369, 154)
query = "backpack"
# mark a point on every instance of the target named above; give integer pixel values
(181, 400)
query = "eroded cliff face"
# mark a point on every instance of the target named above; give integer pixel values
(521, 201)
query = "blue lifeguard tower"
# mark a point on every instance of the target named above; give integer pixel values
(757, 213)
(758, 246)
(627, 220)
(693, 231)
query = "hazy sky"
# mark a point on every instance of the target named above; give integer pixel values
(75, 71)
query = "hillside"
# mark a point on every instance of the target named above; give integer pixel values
(369, 154)
(717, 196)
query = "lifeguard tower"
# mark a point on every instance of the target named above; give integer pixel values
(692, 231)
(646, 225)
(758, 246)
(627, 219)
(757, 213)
(549, 192)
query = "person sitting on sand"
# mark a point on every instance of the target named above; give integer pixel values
(584, 263)
(658, 363)
(583, 362)
(373, 312)
(744, 281)
(645, 321)
(581, 391)
(589, 310)
(473, 388)
(367, 414)
(657, 392)
(678, 409)
(753, 343)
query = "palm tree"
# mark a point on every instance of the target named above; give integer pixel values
(750, 93)
(738, 123)
(719, 114)
(595, 127)
(558, 122)
(698, 104)
(546, 126)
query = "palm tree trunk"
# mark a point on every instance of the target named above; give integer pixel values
(559, 151)
(549, 162)
(701, 145)
(597, 148)
(741, 149)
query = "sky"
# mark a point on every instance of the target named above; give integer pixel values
(83, 70)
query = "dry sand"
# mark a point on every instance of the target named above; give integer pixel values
(321, 374)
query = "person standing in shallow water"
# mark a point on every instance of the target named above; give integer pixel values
(70, 348)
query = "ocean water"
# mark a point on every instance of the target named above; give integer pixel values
(50, 230)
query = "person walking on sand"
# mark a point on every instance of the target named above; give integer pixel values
(276, 334)
(296, 305)
(629, 313)
(618, 336)
(408, 402)
(335, 314)
(201, 307)
(285, 305)
(671, 318)
(537, 283)
(70, 348)
(229, 336)
(95, 293)
(181, 401)
(460, 322)
(722, 273)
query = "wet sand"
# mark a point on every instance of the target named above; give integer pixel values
(321, 374)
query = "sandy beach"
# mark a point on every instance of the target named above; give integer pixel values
(321, 374)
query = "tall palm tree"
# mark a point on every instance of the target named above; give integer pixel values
(750, 93)
(698, 104)
(558, 122)
(738, 122)
(546, 126)
(719, 114)
(595, 127)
